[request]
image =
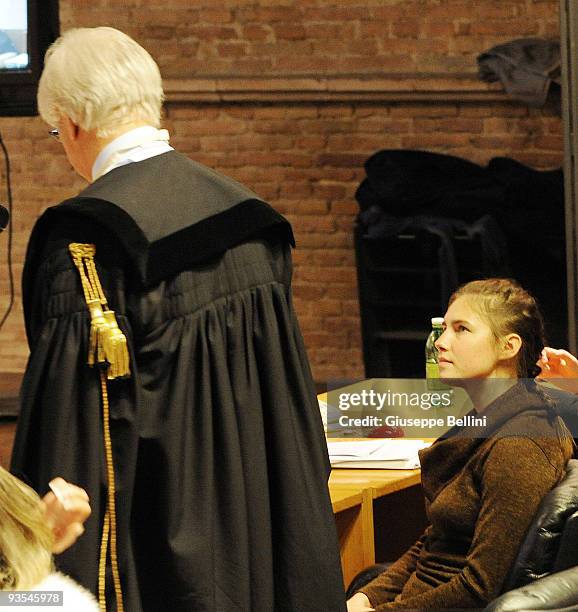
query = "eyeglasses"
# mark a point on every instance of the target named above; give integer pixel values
(54, 133)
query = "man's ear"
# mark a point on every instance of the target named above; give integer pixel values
(68, 126)
(510, 346)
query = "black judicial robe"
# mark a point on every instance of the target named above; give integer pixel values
(221, 465)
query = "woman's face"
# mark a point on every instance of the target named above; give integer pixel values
(467, 348)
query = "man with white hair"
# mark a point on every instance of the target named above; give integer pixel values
(167, 373)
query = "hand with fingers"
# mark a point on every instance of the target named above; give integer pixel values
(359, 603)
(560, 368)
(66, 509)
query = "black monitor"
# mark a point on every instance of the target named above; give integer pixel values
(27, 28)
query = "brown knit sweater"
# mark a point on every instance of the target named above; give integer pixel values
(481, 494)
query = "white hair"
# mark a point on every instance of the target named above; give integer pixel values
(101, 79)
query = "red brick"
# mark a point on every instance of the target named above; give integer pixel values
(236, 49)
(311, 323)
(311, 143)
(374, 29)
(288, 31)
(389, 13)
(268, 14)
(346, 292)
(295, 191)
(217, 127)
(302, 111)
(464, 44)
(328, 275)
(448, 10)
(329, 31)
(317, 338)
(549, 30)
(500, 142)
(405, 28)
(305, 206)
(341, 159)
(423, 110)
(523, 27)
(338, 111)
(350, 308)
(211, 32)
(473, 126)
(463, 28)
(307, 292)
(427, 141)
(339, 324)
(332, 257)
(341, 13)
(303, 63)
(329, 308)
(312, 223)
(438, 28)
(313, 239)
(502, 10)
(550, 142)
(257, 32)
(328, 190)
(345, 207)
(215, 16)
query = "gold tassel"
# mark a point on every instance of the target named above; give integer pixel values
(107, 346)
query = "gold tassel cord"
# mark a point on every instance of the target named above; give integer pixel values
(110, 516)
(102, 563)
(107, 344)
(107, 348)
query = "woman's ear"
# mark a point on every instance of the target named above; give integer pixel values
(510, 346)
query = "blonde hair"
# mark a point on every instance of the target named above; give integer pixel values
(101, 79)
(508, 308)
(25, 538)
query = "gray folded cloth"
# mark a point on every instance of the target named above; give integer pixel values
(526, 67)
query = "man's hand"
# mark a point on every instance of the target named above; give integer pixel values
(66, 509)
(560, 368)
(359, 603)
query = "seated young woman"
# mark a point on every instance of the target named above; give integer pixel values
(482, 485)
(32, 529)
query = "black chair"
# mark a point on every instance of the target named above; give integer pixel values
(544, 575)
(558, 591)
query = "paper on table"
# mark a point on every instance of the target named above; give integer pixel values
(330, 416)
(384, 453)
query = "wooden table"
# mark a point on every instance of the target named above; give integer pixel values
(368, 510)
(353, 509)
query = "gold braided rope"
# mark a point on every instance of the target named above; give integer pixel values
(108, 348)
(102, 563)
(110, 517)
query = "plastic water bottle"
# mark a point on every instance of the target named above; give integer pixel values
(432, 368)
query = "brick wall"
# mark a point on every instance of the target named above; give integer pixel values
(316, 36)
(305, 157)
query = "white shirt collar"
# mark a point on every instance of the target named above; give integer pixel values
(135, 145)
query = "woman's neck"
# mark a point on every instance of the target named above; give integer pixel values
(484, 391)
